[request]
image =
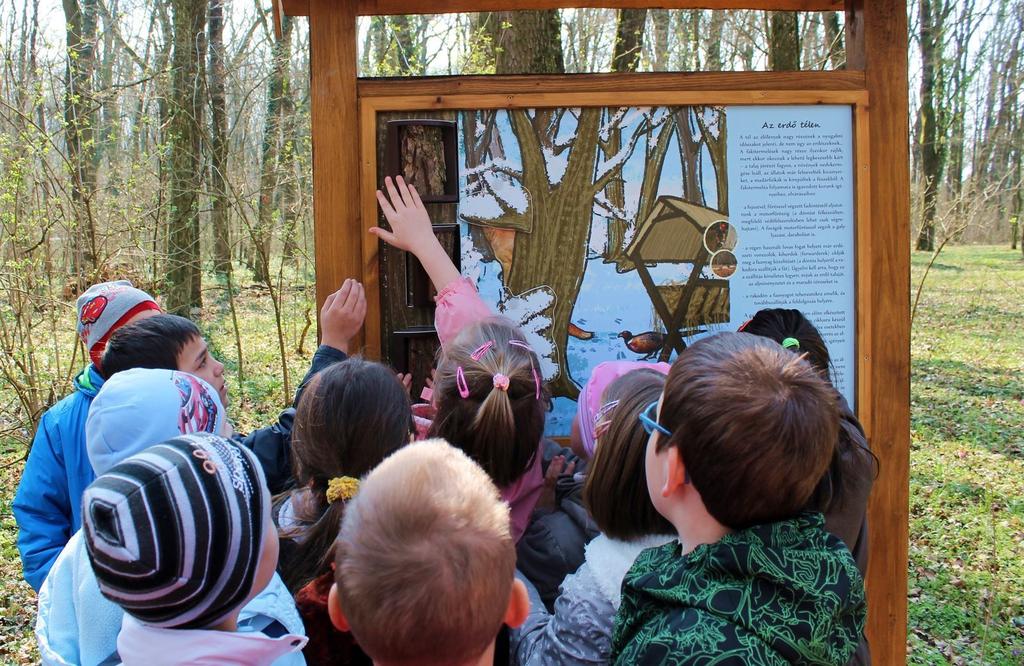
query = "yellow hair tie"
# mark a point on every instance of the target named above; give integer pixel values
(342, 488)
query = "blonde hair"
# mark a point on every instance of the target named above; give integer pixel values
(498, 427)
(425, 558)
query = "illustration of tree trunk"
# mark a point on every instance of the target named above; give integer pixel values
(220, 213)
(555, 253)
(185, 118)
(783, 42)
(80, 126)
(689, 156)
(717, 149)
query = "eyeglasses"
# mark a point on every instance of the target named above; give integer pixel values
(649, 419)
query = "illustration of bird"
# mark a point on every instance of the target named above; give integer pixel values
(649, 343)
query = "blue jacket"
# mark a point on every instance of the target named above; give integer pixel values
(57, 472)
(49, 496)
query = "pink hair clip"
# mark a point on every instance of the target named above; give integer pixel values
(481, 350)
(525, 345)
(501, 382)
(460, 382)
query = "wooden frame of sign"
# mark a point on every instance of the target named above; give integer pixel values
(875, 84)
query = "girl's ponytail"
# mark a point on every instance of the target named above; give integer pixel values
(490, 399)
(351, 416)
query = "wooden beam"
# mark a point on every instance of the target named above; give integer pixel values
(628, 82)
(335, 126)
(278, 11)
(877, 44)
(380, 7)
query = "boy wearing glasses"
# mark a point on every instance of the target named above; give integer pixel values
(740, 438)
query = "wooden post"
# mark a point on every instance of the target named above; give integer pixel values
(335, 127)
(876, 33)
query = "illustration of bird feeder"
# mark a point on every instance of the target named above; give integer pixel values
(674, 233)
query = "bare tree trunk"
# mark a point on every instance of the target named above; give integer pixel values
(220, 213)
(783, 42)
(660, 27)
(629, 40)
(277, 90)
(184, 273)
(80, 127)
(714, 41)
(930, 142)
(834, 41)
(527, 42)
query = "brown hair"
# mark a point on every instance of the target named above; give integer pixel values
(425, 558)
(850, 457)
(615, 491)
(352, 415)
(499, 429)
(755, 426)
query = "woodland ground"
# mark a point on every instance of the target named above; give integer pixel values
(966, 567)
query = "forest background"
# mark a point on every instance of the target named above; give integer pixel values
(168, 142)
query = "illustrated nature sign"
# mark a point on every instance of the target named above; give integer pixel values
(627, 233)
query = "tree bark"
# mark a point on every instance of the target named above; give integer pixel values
(783, 42)
(220, 214)
(834, 41)
(277, 91)
(716, 27)
(930, 143)
(527, 42)
(79, 128)
(629, 40)
(660, 26)
(184, 273)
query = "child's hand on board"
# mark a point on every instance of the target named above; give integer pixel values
(342, 315)
(410, 225)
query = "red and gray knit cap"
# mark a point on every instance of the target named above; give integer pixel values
(106, 307)
(175, 533)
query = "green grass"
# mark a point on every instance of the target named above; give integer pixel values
(967, 460)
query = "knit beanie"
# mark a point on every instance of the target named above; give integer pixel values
(104, 308)
(138, 408)
(589, 401)
(175, 533)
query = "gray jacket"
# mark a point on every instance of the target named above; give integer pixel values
(580, 629)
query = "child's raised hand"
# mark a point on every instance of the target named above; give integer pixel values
(411, 231)
(410, 224)
(342, 315)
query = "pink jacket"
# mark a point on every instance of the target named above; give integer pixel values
(459, 306)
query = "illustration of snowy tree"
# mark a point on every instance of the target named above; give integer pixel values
(547, 200)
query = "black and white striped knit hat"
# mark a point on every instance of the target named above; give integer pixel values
(175, 533)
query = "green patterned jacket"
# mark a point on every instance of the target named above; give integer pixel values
(781, 593)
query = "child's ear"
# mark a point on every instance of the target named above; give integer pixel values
(518, 605)
(338, 618)
(676, 477)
